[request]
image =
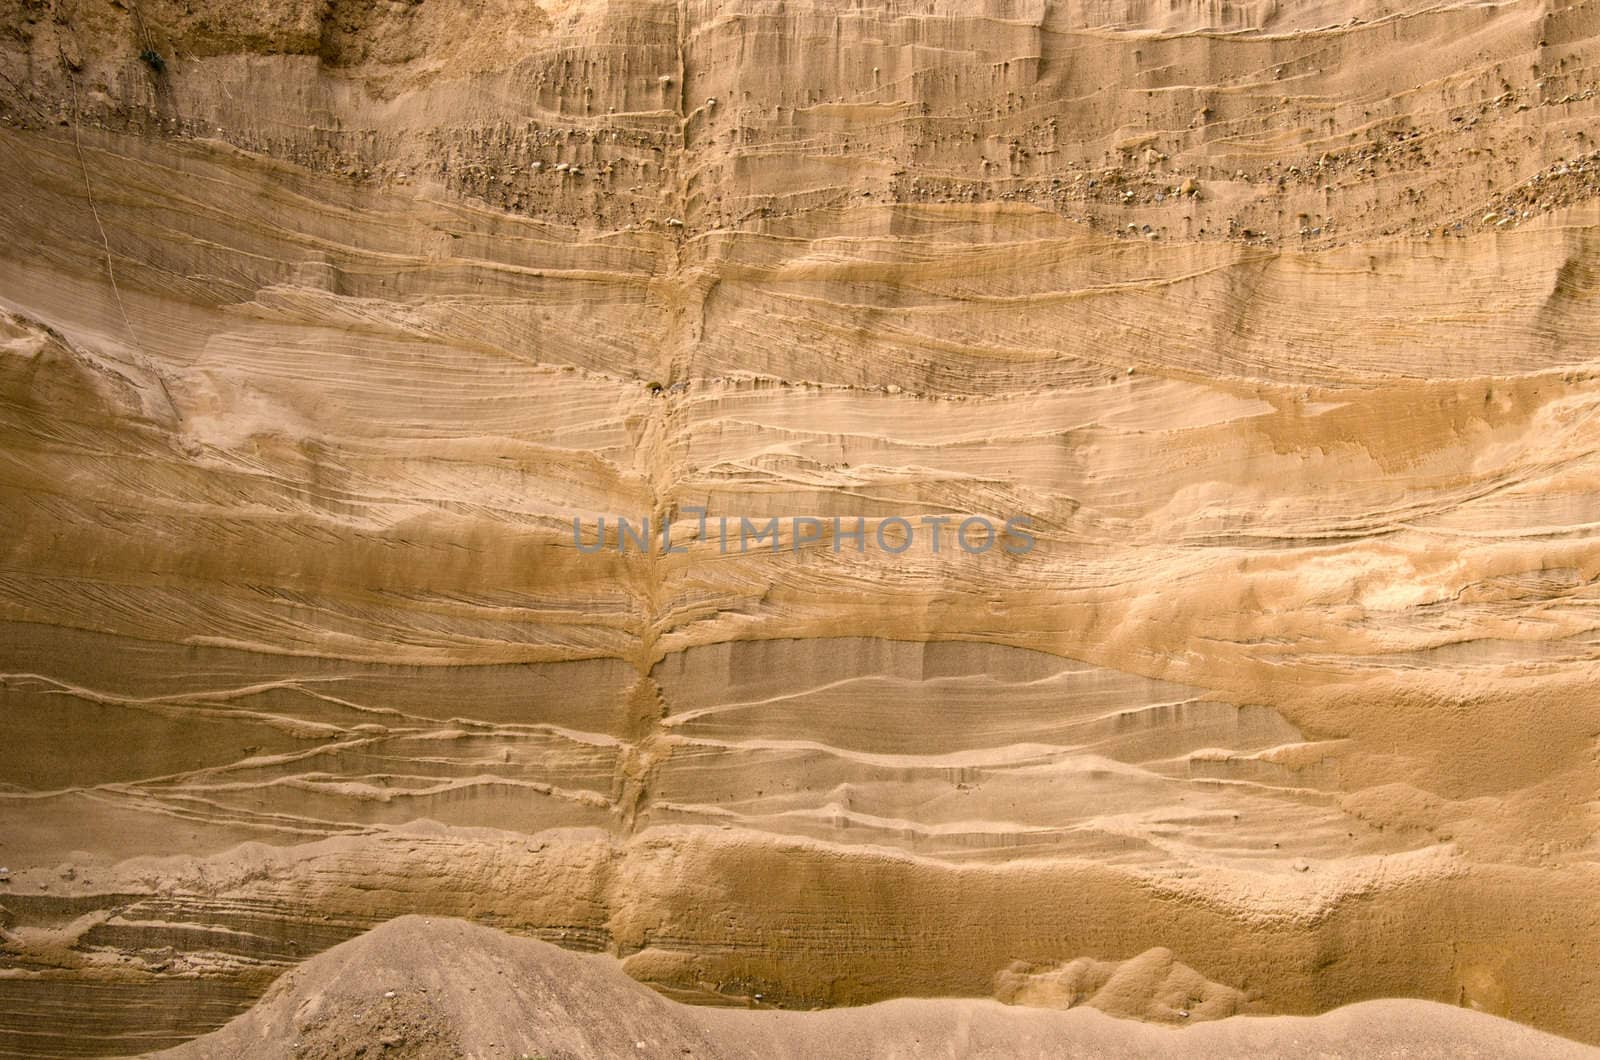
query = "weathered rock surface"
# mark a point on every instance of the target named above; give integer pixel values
(322, 323)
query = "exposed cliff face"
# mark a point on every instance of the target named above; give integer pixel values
(323, 322)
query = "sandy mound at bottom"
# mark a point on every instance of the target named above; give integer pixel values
(416, 988)
(1152, 986)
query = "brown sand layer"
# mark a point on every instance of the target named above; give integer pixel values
(420, 988)
(317, 333)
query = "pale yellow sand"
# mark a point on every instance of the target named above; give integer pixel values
(1293, 706)
(417, 987)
